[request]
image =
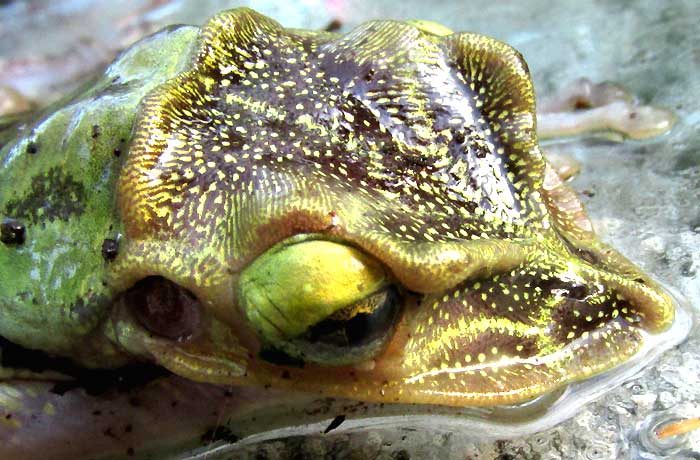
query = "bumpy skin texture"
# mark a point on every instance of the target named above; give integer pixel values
(413, 145)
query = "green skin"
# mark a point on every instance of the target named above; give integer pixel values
(63, 178)
(65, 193)
(52, 289)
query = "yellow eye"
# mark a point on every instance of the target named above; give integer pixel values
(319, 301)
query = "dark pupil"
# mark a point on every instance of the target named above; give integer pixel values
(164, 307)
(359, 330)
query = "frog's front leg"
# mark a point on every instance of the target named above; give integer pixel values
(585, 107)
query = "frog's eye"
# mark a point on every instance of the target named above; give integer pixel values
(319, 301)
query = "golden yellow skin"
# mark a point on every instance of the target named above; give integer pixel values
(412, 145)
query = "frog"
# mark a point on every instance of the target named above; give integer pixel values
(243, 214)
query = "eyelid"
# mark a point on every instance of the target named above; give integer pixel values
(294, 286)
(365, 305)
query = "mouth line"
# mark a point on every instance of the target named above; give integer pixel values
(67, 375)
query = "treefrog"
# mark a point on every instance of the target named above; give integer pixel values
(245, 210)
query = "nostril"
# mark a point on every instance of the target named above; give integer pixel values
(578, 292)
(164, 308)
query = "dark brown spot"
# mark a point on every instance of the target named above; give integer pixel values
(582, 104)
(12, 232)
(32, 147)
(96, 131)
(333, 26)
(110, 249)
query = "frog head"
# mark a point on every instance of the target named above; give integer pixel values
(365, 216)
